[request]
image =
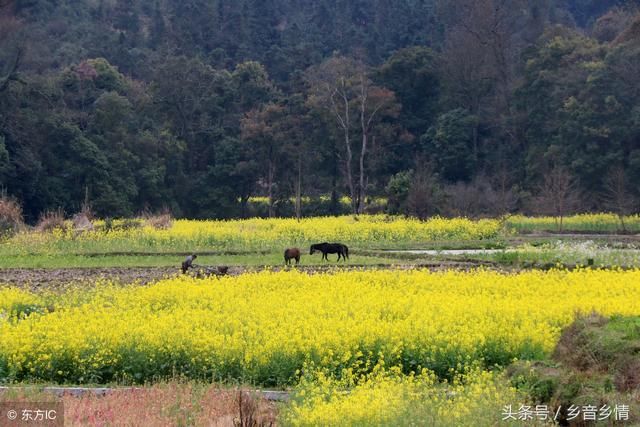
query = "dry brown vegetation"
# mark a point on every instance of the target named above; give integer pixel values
(51, 220)
(11, 219)
(159, 221)
(175, 403)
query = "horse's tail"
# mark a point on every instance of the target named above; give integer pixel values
(346, 251)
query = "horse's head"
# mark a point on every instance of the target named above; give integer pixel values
(313, 250)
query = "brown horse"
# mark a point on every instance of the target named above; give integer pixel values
(292, 253)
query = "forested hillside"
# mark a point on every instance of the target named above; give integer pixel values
(453, 107)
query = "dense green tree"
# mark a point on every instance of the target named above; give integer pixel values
(263, 129)
(412, 74)
(5, 163)
(197, 105)
(449, 143)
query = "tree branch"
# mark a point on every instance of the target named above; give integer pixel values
(12, 75)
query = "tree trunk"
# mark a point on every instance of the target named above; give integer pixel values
(244, 200)
(624, 227)
(361, 185)
(334, 207)
(364, 128)
(561, 211)
(475, 145)
(299, 189)
(12, 75)
(349, 159)
(270, 175)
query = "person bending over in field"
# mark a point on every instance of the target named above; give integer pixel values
(188, 263)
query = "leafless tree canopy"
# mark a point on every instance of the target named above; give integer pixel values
(343, 87)
(425, 194)
(618, 196)
(482, 197)
(559, 194)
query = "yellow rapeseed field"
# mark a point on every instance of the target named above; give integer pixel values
(378, 231)
(590, 223)
(264, 327)
(387, 397)
(251, 235)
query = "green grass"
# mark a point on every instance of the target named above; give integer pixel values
(568, 252)
(160, 260)
(124, 247)
(596, 360)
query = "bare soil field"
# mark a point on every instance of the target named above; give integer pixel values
(44, 278)
(59, 279)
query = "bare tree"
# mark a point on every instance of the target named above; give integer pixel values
(610, 25)
(482, 196)
(300, 151)
(558, 195)
(425, 195)
(469, 77)
(342, 87)
(373, 100)
(264, 127)
(464, 199)
(332, 90)
(505, 198)
(304, 151)
(496, 26)
(479, 59)
(618, 196)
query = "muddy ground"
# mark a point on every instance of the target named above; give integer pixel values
(59, 279)
(43, 278)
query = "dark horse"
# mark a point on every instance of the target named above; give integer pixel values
(331, 248)
(292, 253)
